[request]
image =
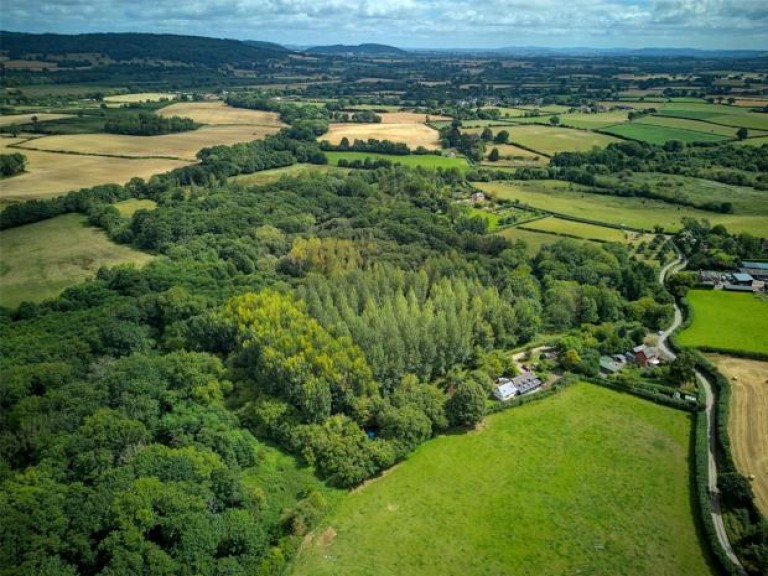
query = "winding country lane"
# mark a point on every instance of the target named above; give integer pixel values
(717, 516)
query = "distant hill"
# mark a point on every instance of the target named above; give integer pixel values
(644, 52)
(123, 47)
(266, 45)
(359, 50)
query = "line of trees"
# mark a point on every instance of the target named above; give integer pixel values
(147, 124)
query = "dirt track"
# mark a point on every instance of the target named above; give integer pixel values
(748, 419)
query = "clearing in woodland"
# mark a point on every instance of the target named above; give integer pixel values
(589, 481)
(748, 419)
(42, 259)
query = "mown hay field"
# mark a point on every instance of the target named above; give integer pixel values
(589, 481)
(50, 174)
(414, 135)
(182, 146)
(578, 229)
(748, 419)
(727, 321)
(219, 113)
(573, 200)
(140, 97)
(594, 121)
(549, 140)
(40, 260)
(410, 118)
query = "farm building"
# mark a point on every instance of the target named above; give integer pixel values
(505, 389)
(741, 279)
(478, 198)
(756, 273)
(526, 382)
(646, 355)
(609, 365)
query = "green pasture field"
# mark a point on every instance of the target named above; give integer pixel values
(745, 200)
(687, 124)
(580, 229)
(717, 114)
(423, 160)
(578, 201)
(727, 320)
(594, 121)
(589, 481)
(660, 134)
(549, 140)
(129, 207)
(39, 260)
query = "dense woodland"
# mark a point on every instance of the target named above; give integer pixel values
(147, 124)
(347, 318)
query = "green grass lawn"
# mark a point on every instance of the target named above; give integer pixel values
(579, 229)
(424, 160)
(727, 320)
(587, 482)
(39, 260)
(577, 201)
(660, 134)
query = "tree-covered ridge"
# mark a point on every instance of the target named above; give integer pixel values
(148, 124)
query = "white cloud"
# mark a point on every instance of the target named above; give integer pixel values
(695, 23)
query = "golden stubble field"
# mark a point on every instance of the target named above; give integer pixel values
(748, 419)
(181, 146)
(219, 113)
(50, 174)
(413, 135)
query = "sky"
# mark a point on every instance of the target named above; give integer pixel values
(707, 24)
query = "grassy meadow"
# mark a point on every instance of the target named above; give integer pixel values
(727, 320)
(578, 229)
(40, 260)
(586, 482)
(577, 201)
(128, 208)
(533, 240)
